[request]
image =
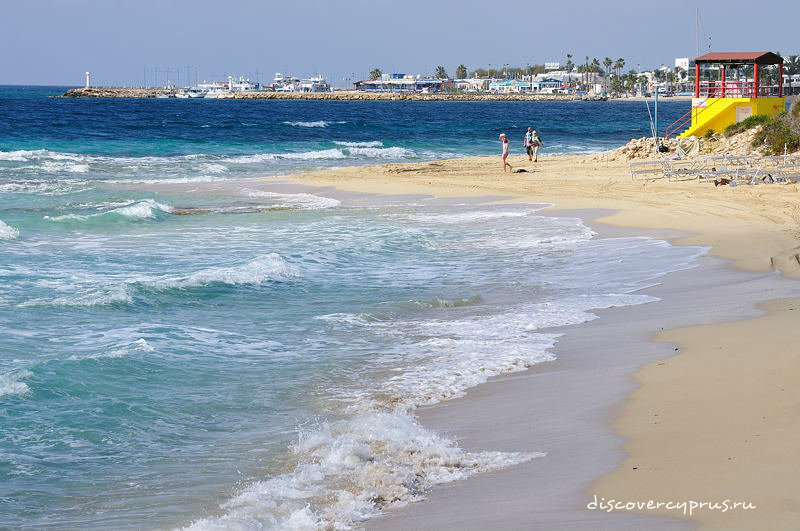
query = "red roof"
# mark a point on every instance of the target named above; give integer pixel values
(762, 58)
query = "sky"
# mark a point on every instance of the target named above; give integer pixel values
(124, 42)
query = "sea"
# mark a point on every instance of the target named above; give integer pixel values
(186, 342)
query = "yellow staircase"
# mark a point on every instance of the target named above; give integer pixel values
(718, 113)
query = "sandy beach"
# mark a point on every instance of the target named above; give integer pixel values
(690, 399)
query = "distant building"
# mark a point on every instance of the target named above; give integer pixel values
(552, 66)
(508, 86)
(403, 83)
(476, 84)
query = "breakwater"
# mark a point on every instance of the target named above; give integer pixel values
(344, 95)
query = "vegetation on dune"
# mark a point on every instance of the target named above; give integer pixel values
(780, 134)
(746, 124)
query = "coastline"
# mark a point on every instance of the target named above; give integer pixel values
(339, 95)
(753, 227)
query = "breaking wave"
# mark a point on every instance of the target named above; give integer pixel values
(351, 470)
(317, 123)
(11, 383)
(264, 268)
(7, 232)
(296, 201)
(139, 210)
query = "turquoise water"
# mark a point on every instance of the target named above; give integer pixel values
(182, 347)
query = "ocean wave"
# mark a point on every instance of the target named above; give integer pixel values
(64, 166)
(317, 123)
(213, 168)
(301, 201)
(326, 154)
(138, 210)
(11, 383)
(60, 187)
(140, 345)
(467, 217)
(261, 269)
(351, 470)
(373, 143)
(88, 297)
(374, 152)
(27, 155)
(7, 232)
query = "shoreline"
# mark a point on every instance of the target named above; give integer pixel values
(341, 95)
(755, 230)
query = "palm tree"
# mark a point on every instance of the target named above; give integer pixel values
(461, 72)
(792, 65)
(440, 73)
(376, 73)
(607, 62)
(619, 65)
(569, 64)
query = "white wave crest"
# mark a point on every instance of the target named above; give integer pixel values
(61, 187)
(374, 143)
(11, 383)
(7, 232)
(213, 168)
(88, 297)
(140, 345)
(318, 123)
(351, 470)
(386, 153)
(145, 209)
(257, 271)
(302, 201)
(26, 155)
(64, 166)
(467, 217)
(142, 209)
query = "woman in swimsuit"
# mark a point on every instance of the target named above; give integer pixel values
(504, 140)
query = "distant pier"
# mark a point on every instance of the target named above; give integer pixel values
(343, 95)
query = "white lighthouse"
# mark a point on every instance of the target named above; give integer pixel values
(87, 79)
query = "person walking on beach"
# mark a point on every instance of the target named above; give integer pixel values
(536, 143)
(504, 140)
(528, 143)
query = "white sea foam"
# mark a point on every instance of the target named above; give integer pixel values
(302, 201)
(467, 217)
(7, 232)
(325, 154)
(350, 470)
(60, 187)
(257, 271)
(64, 166)
(88, 297)
(373, 152)
(145, 209)
(213, 168)
(373, 143)
(317, 123)
(140, 345)
(11, 383)
(142, 209)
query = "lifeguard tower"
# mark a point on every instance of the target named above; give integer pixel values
(730, 87)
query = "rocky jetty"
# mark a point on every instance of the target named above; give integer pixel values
(345, 95)
(113, 93)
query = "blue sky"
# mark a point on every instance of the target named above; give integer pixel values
(56, 41)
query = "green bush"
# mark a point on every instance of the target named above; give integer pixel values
(775, 136)
(710, 133)
(748, 123)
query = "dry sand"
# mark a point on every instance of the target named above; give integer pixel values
(718, 420)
